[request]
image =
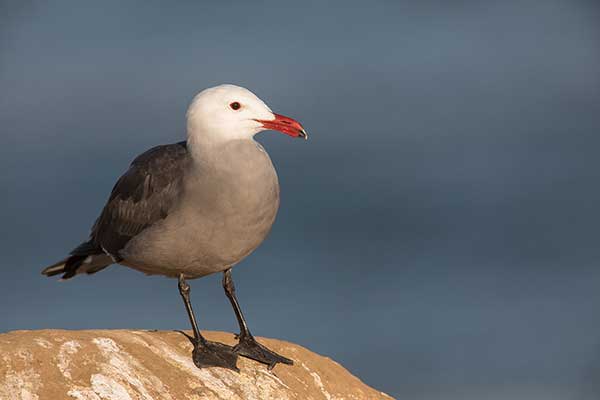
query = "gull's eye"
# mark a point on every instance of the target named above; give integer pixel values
(235, 106)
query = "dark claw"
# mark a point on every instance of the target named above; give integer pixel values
(250, 348)
(213, 354)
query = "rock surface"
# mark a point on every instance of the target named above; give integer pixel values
(131, 365)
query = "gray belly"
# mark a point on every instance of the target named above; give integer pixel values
(226, 212)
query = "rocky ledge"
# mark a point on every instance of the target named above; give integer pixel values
(146, 365)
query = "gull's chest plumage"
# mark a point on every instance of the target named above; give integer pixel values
(227, 209)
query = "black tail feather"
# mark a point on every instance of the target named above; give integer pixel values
(55, 269)
(87, 257)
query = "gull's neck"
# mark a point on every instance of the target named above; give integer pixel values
(204, 146)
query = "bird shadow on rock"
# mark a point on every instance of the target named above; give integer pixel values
(212, 354)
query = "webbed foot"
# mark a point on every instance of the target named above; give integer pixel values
(250, 348)
(213, 354)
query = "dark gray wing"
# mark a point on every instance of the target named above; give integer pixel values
(141, 197)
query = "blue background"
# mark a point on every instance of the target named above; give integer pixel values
(438, 235)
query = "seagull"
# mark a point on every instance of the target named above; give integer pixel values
(194, 208)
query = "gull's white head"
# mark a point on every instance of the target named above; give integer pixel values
(228, 112)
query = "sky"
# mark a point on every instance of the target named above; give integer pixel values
(438, 233)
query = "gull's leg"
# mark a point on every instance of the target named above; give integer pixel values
(206, 353)
(248, 346)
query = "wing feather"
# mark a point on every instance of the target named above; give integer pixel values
(143, 196)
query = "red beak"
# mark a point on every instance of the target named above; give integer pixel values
(286, 125)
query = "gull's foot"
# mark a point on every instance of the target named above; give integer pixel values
(250, 348)
(213, 354)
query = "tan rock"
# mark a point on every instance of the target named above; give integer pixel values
(145, 365)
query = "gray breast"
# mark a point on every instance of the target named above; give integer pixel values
(227, 208)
